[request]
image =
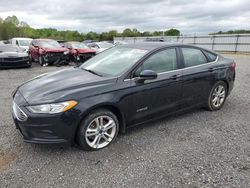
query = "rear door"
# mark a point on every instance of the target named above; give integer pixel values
(198, 76)
(158, 97)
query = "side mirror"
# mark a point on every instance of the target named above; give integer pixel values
(147, 75)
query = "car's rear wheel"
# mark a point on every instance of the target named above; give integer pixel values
(217, 96)
(98, 130)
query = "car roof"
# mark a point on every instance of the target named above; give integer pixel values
(22, 38)
(151, 45)
(45, 39)
(70, 42)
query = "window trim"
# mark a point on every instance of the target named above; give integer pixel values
(206, 51)
(180, 69)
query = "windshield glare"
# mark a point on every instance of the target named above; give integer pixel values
(24, 42)
(114, 62)
(49, 44)
(79, 46)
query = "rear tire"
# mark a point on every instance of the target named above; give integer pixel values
(98, 130)
(217, 96)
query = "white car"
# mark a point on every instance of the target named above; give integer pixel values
(100, 46)
(21, 42)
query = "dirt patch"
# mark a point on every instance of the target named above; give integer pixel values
(6, 159)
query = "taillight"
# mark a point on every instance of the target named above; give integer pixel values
(233, 65)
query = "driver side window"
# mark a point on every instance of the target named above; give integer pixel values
(159, 62)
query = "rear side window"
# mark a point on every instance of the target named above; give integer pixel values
(211, 56)
(193, 57)
(162, 61)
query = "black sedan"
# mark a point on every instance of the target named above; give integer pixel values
(119, 88)
(13, 57)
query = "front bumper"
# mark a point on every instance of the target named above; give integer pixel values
(15, 64)
(45, 128)
(55, 57)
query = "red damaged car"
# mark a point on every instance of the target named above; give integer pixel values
(48, 51)
(79, 52)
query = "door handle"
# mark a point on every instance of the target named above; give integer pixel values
(211, 69)
(175, 77)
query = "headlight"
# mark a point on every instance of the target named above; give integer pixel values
(66, 52)
(52, 108)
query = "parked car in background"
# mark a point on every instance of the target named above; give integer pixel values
(21, 42)
(61, 42)
(13, 57)
(121, 87)
(79, 52)
(120, 43)
(100, 46)
(48, 51)
(88, 41)
(2, 42)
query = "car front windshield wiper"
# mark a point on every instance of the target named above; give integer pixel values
(91, 71)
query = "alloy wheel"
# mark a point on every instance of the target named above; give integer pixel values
(218, 96)
(100, 132)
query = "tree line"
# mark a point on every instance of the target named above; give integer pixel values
(12, 27)
(240, 31)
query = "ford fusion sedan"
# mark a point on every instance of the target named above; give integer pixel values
(79, 52)
(47, 52)
(13, 57)
(121, 87)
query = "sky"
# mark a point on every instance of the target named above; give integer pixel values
(189, 16)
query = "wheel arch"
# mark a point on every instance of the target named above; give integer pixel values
(109, 106)
(227, 84)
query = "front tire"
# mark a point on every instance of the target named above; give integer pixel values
(98, 130)
(217, 96)
(42, 61)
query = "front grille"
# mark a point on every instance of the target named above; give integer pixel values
(86, 56)
(55, 54)
(11, 59)
(19, 114)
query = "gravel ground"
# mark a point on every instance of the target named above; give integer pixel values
(195, 149)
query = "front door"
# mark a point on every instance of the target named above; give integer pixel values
(158, 97)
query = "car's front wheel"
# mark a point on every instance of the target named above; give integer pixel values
(217, 96)
(98, 130)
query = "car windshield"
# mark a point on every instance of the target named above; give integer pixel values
(9, 49)
(49, 44)
(24, 42)
(105, 45)
(113, 62)
(79, 45)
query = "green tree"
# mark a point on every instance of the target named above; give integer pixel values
(127, 33)
(12, 19)
(172, 32)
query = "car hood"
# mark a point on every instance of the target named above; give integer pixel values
(85, 51)
(55, 49)
(12, 54)
(66, 84)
